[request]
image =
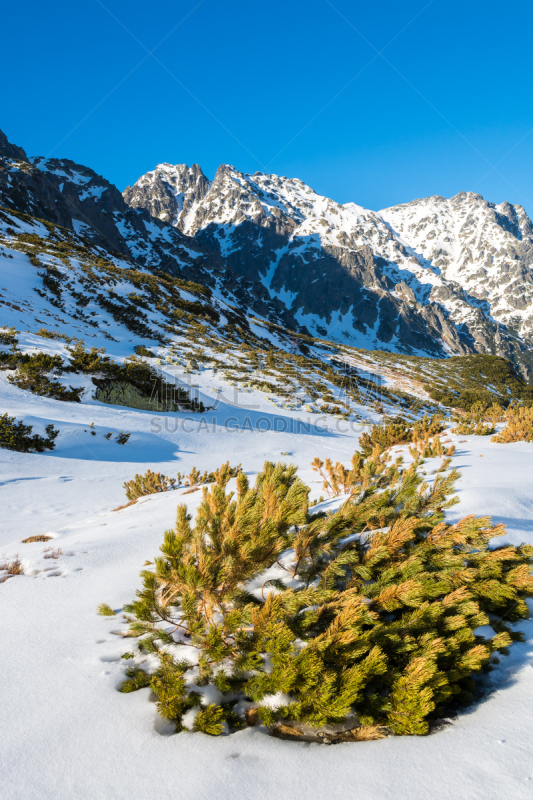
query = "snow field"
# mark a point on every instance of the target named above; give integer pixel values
(66, 730)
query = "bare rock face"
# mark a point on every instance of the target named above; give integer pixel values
(11, 151)
(170, 193)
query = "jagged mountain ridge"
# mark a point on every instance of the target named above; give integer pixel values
(454, 280)
(77, 198)
(435, 276)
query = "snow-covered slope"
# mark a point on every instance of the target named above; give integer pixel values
(68, 733)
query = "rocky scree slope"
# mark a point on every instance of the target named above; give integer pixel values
(433, 277)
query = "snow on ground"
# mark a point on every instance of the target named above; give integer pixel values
(67, 732)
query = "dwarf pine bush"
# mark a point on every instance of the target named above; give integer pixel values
(397, 431)
(33, 374)
(8, 336)
(46, 334)
(370, 611)
(149, 483)
(479, 420)
(519, 425)
(142, 350)
(17, 436)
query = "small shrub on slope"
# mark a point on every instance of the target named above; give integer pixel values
(142, 350)
(374, 471)
(32, 372)
(8, 336)
(370, 611)
(154, 482)
(105, 610)
(479, 420)
(519, 427)
(371, 466)
(398, 431)
(17, 436)
(46, 334)
(221, 476)
(87, 361)
(10, 567)
(149, 483)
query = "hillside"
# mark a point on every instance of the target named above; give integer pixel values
(129, 345)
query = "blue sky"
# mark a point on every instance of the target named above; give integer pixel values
(378, 103)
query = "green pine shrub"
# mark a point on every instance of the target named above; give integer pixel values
(142, 350)
(46, 334)
(149, 483)
(17, 436)
(468, 428)
(370, 611)
(398, 431)
(221, 476)
(463, 381)
(8, 336)
(32, 373)
(479, 420)
(519, 425)
(373, 471)
(393, 432)
(88, 361)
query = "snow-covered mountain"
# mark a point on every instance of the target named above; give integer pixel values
(80, 200)
(486, 248)
(432, 277)
(435, 276)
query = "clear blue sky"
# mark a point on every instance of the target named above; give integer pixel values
(378, 103)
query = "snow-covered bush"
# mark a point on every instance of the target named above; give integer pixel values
(365, 617)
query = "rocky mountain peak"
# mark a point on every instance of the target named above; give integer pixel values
(171, 193)
(11, 151)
